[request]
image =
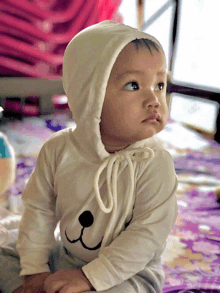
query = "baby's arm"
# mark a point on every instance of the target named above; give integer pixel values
(144, 239)
(36, 232)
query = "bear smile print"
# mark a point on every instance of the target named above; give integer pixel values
(86, 220)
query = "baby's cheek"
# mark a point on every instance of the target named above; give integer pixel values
(164, 120)
(136, 109)
(165, 111)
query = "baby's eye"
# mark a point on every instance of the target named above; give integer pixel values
(160, 86)
(132, 85)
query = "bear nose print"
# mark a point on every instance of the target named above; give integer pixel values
(86, 219)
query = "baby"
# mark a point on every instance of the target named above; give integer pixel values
(109, 184)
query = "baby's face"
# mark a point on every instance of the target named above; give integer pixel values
(133, 97)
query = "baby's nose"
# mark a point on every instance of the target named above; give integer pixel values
(152, 100)
(152, 103)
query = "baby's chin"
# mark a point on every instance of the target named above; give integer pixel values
(155, 130)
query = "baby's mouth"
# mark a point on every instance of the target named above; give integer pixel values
(150, 119)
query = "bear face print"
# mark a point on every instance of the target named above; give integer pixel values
(86, 220)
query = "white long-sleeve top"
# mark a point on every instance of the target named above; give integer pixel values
(61, 188)
(115, 211)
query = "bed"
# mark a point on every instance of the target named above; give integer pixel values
(191, 260)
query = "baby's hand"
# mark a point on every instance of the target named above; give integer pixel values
(67, 281)
(33, 283)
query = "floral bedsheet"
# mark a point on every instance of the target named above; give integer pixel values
(191, 260)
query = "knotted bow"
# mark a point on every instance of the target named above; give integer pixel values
(112, 163)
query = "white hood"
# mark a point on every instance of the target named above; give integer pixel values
(88, 61)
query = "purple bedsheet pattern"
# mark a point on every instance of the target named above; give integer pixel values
(197, 264)
(193, 264)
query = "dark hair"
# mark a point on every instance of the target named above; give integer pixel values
(147, 43)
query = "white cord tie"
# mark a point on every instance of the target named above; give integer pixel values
(112, 164)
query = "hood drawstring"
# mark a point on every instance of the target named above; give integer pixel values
(112, 164)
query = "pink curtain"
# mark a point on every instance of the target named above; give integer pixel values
(34, 34)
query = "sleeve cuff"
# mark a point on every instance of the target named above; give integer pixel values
(33, 263)
(101, 274)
